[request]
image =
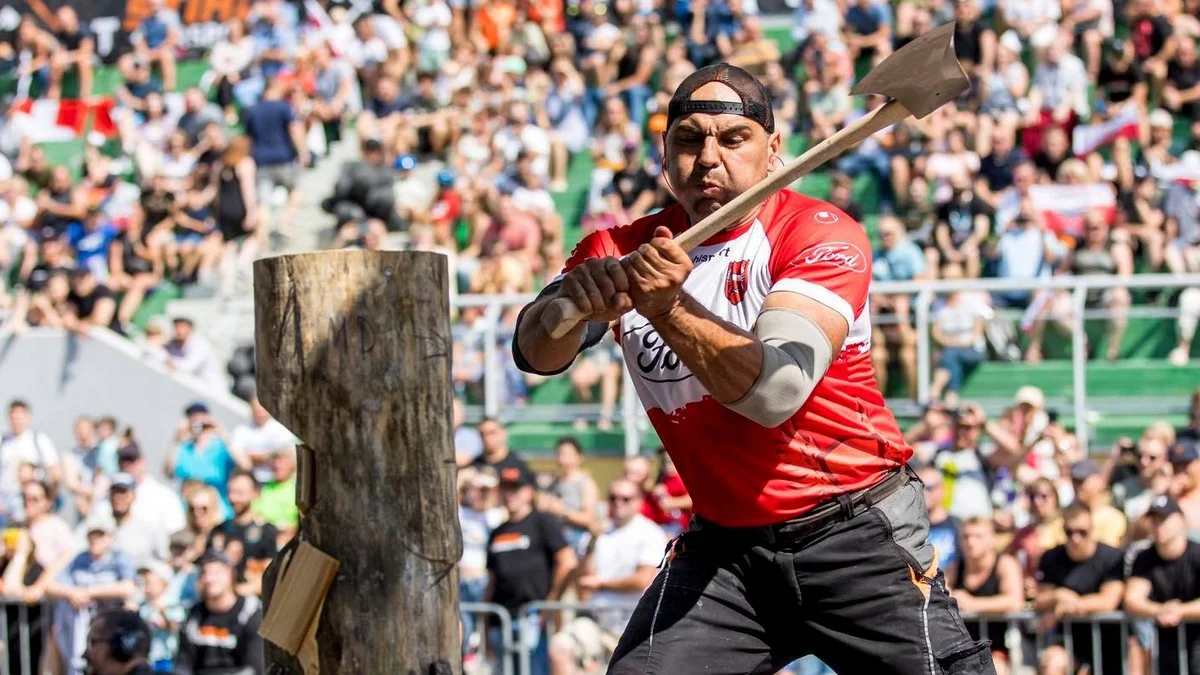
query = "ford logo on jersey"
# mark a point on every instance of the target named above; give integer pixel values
(838, 253)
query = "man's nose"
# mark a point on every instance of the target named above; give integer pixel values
(710, 154)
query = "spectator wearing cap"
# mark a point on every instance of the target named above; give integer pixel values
(99, 577)
(1091, 490)
(279, 149)
(1185, 482)
(528, 560)
(1164, 585)
(24, 444)
(276, 501)
(1080, 577)
(193, 355)
(259, 440)
(153, 501)
(220, 633)
(138, 538)
(162, 611)
(249, 541)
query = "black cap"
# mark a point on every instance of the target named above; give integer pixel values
(1184, 452)
(1084, 468)
(513, 476)
(756, 100)
(196, 408)
(130, 452)
(372, 145)
(1163, 506)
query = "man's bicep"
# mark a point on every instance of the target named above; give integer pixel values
(831, 320)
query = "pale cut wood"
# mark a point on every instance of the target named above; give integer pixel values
(353, 355)
(298, 598)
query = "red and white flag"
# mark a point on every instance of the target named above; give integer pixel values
(1086, 138)
(1064, 206)
(45, 120)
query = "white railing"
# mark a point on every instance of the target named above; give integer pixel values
(924, 295)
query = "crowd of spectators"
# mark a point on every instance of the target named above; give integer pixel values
(95, 527)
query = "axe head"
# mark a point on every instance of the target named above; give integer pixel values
(921, 75)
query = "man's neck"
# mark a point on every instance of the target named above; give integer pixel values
(245, 517)
(224, 603)
(986, 561)
(938, 514)
(495, 455)
(520, 514)
(1085, 554)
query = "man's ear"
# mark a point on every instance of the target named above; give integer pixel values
(775, 142)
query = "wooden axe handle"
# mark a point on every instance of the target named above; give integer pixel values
(561, 315)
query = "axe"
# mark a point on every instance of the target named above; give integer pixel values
(918, 78)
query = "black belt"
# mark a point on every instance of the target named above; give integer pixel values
(842, 508)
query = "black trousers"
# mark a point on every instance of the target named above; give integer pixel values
(862, 594)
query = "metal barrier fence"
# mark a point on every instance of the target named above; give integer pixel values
(923, 293)
(505, 651)
(19, 658)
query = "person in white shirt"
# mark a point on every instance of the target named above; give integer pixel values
(25, 445)
(154, 501)
(139, 537)
(619, 569)
(260, 440)
(193, 355)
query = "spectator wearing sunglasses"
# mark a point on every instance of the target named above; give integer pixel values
(1091, 490)
(944, 529)
(1078, 578)
(620, 567)
(1044, 531)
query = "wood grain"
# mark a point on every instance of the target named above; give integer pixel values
(353, 355)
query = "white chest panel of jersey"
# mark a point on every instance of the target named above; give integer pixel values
(731, 279)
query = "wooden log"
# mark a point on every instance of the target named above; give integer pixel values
(353, 356)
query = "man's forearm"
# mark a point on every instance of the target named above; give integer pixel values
(542, 352)
(724, 358)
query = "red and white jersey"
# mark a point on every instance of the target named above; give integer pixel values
(843, 439)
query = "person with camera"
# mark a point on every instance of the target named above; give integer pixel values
(118, 643)
(978, 447)
(201, 454)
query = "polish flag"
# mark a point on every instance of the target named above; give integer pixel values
(44, 120)
(1087, 138)
(1064, 206)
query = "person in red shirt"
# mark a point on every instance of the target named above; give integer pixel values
(668, 504)
(751, 355)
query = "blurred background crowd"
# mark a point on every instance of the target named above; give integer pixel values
(143, 170)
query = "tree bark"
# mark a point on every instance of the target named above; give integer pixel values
(353, 356)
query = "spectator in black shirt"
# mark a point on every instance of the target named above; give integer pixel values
(528, 559)
(631, 192)
(61, 203)
(964, 223)
(246, 539)
(75, 47)
(220, 635)
(974, 43)
(1151, 34)
(1075, 579)
(1181, 93)
(1164, 585)
(1121, 78)
(496, 455)
(91, 303)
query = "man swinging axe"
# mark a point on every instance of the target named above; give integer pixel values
(742, 312)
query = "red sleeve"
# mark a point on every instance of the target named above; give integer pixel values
(595, 245)
(822, 253)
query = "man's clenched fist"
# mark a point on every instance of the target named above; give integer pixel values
(599, 288)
